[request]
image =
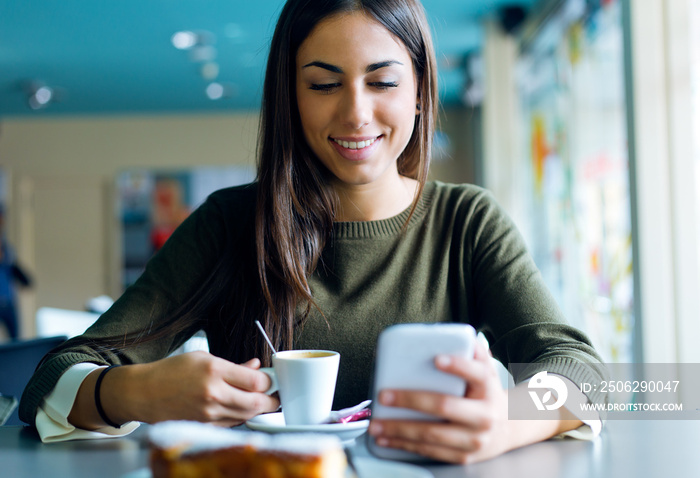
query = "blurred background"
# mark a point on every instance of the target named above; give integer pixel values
(582, 116)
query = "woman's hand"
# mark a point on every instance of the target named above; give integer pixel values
(192, 386)
(475, 427)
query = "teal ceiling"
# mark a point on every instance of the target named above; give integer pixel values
(110, 57)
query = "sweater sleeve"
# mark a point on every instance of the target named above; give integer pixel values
(514, 308)
(170, 278)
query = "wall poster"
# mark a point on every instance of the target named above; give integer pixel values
(577, 192)
(152, 203)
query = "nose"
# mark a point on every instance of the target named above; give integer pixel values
(356, 108)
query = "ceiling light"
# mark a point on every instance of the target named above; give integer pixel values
(210, 71)
(38, 94)
(43, 95)
(187, 39)
(223, 90)
(215, 91)
(184, 40)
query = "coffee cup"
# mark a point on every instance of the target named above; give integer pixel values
(306, 382)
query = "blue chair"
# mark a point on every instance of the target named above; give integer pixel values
(18, 360)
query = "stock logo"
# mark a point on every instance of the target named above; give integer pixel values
(543, 381)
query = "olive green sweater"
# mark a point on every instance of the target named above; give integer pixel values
(460, 259)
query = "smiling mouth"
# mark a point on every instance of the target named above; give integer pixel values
(355, 144)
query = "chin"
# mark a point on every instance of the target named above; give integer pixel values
(361, 175)
(355, 180)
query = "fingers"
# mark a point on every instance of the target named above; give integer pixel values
(233, 403)
(479, 373)
(481, 352)
(437, 452)
(246, 376)
(199, 386)
(440, 441)
(244, 396)
(233, 392)
(253, 363)
(477, 368)
(465, 437)
(472, 413)
(483, 384)
(471, 422)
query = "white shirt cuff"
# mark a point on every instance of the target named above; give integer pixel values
(52, 415)
(591, 428)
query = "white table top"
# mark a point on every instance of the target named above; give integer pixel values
(625, 449)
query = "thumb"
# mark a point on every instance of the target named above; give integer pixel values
(253, 363)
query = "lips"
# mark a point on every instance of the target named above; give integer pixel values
(356, 149)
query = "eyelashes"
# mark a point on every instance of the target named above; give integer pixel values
(384, 85)
(329, 87)
(325, 87)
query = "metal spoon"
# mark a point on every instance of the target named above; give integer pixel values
(257, 322)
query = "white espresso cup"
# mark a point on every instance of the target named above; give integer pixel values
(306, 382)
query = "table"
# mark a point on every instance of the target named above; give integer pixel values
(625, 449)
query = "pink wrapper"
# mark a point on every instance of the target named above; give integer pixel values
(361, 415)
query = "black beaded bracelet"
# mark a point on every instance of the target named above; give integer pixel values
(98, 402)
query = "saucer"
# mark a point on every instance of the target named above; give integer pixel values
(274, 423)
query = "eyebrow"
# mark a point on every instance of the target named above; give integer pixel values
(369, 69)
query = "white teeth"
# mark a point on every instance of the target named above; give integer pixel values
(355, 144)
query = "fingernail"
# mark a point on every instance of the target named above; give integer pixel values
(382, 442)
(375, 428)
(387, 397)
(443, 361)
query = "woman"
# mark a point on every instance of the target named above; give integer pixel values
(11, 275)
(340, 236)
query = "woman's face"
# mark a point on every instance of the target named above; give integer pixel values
(357, 96)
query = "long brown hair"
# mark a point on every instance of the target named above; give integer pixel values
(295, 204)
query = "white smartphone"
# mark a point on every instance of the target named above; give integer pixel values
(406, 360)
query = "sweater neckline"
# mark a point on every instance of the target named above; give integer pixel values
(389, 226)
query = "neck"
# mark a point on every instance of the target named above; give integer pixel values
(372, 202)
